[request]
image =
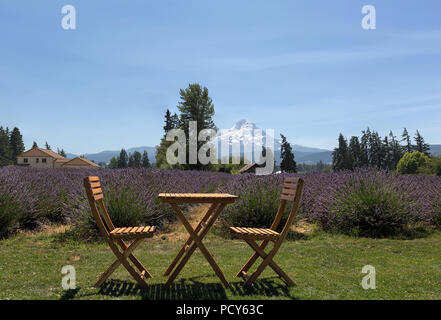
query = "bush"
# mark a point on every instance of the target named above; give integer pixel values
(435, 217)
(125, 209)
(370, 208)
(412, 163)
(9, 211)
(259, 200)
(436, 165)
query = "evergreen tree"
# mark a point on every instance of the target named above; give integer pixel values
(421, 145)
(113, 164)
(169, 122)
(287, 164)
(340, 157)
(131, 163)
(175, 121)
(161, 150)
(355, 152)
(123, 159)
(48, 146)
(408, 147)
(386, 154)
(62, 153)
(396, 151)
(364, 148)
(16, 144)
(34, 145)
(145, 162)
(195, 105)
(137, 159)
(375, 150)
(5, 148)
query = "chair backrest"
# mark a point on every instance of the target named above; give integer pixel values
(95, 196)
(292, 192)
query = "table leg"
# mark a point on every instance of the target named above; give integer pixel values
(198, 243)
(190, 240)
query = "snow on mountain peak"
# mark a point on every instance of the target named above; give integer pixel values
(244, 124)
(243, 132)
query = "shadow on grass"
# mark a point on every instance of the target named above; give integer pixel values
(192, 289)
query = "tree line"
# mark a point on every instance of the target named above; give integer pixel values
(375, 151)
(132, 160)
(11, 145)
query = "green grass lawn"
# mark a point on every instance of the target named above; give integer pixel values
(324, 267)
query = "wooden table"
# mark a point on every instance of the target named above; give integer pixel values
(217, 201)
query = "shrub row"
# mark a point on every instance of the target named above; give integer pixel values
(32, 197)
(363, 202)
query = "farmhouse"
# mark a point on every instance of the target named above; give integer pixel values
(44, 158)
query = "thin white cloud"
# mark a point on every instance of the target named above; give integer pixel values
(312, 57)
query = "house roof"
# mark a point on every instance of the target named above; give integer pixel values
(80, 162)
(247, 167)
(61, 160)
(39, 152)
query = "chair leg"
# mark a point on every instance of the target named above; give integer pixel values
(107, 273)
(135, 261)
(267, 260)
(252, 260)
(122, 259)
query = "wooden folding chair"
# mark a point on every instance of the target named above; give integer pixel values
(117, 236)
(292, 191)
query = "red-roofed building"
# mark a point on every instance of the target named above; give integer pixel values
(44, 158)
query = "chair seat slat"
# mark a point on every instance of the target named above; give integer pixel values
(289, 191)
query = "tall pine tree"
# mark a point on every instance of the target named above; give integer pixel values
(16, 144)
(195, 105)
(137, 159)
(341, 159)
(170, 122)
(288, 163)
(123, 159)
(421, 145)
(5, 148)
(145, 162)
(396, 150)
(355, 152)
(408, 147)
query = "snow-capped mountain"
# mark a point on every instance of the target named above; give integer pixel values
(246, 133)
(243, 132)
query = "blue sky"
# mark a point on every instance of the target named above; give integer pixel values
(304, 68)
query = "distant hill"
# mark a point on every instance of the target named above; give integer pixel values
(435, 149)
(307, 157)
(312, 158)
(105, 156)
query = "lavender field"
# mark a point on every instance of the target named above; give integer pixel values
(371, 202)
